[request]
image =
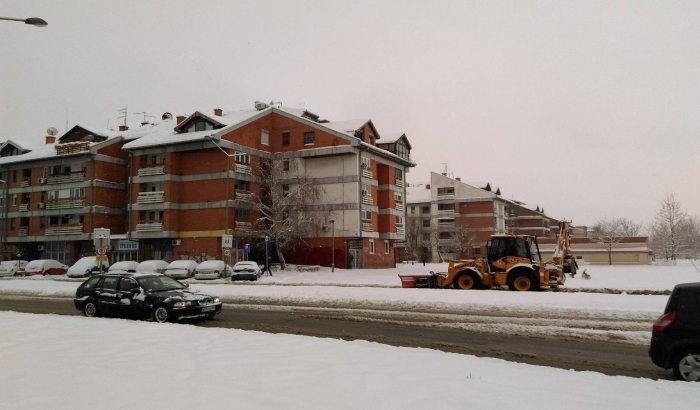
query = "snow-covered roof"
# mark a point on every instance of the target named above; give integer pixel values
(417, 192)
(392, 137)
(24, 145)
(347, 127)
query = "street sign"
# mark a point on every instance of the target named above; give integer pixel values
(100, 238)
(227, 241)
(227, 252)
(246, 248)
(267, 239)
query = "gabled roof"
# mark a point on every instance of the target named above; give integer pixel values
(198, 114)
(24, 146)
(394, 138)
(85, 133)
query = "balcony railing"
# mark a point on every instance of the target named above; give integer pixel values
(64, 203)
(66, 178)
(367, 173)
(24, 183)
(399, 207)
(244, 169)
(446, 196)
(446, 241)
(446, 224)
(446, 211)
(398, 182)
(150, 197)
(244, 195)
(152, 170)
(74, 229)
(23, 231)
(400, 230)
(243, 226)
(367, 227)
(149, 225)
(24, 207)
(367, 200)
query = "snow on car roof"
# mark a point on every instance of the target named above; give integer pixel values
(208, 263)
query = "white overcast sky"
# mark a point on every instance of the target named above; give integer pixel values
(589, 109)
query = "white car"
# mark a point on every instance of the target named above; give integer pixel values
(182, 269)
(124, 266)
(12, 268)
(152, 266)
(213, 269)
(85, 267)
(247, 270)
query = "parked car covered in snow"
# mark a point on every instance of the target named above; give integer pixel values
(45, 267)
(124, 266)
(181, 269)
(138, 295)
(246, 270)
(86, 266)
(152, 266)
(213, 269)
(12, 268)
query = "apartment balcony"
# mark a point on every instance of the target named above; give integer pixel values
(149, 225)
(150, 197)
(64, 203)
(23, 231)
(400, 230)
(25, 183)
(243, 226)
(446, 211)
(367, 173)
(66, 178)
(398, 182)
(74, 229)
(244, 196)
(367, 200)
(446, 224)
(24, 207)
(152, 170)
(244, 169)
(447, 241)
(446, 196)
(399, 207)
(367, 227)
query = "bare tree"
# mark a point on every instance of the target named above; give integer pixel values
(464, 239)
(289, 204)
(666, 231)
(413, 242)
(689, 232)
(610, 231)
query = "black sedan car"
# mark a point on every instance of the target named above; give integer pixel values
(675, 337)
(140, 295)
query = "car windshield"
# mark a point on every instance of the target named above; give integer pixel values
(159, 283)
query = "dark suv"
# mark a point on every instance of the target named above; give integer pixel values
(675, 339)
(138, 295)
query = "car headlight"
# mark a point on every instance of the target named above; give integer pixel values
(183, 304)
(217, 300)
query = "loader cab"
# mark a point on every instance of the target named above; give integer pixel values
(519, 247)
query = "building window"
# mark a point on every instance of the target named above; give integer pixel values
(242, 158)
(446, 191)
(476, 251)
(285, 165)
(398, 197)
(398, 173)
(386, 246)
(366, 163)
(14, 200)
(399, 220)
(309, 138)
(413, 210)
(366, 190)
(14, 176)
(285, 189)
(366, 215)
(264, 137)
(426, 223)
(285, 138)
(371, 246)
(242, 215)
(426, 210)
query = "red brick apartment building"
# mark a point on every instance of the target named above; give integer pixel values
(456, 220)
(162, 189)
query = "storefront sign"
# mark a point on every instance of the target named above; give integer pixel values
(128, 246)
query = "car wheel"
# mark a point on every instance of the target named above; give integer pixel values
(90, 309)
(161, 314)
(686, 367)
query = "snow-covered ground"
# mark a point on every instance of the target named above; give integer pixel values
(113, 364)
(58, 362)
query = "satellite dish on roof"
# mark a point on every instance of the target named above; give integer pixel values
(167, 116)
(52, 131)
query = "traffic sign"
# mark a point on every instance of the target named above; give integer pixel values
(227, 252)
(246, 248)
(227, 241)
(267, 239)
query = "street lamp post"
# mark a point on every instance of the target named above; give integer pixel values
(332, 245)
(32, 21)
(228, 168)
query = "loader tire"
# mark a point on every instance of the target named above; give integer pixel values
(522, 282)
(467, 281)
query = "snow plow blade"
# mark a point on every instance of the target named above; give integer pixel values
(414, 281)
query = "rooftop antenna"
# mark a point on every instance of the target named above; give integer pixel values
(445, 164)
(144, 122)
(123, 111)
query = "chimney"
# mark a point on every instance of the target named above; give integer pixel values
(427, 186)
(218, 112)
(50, 139)
(123, 128)
(180, 118)
(459, 179)
(444, 174)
